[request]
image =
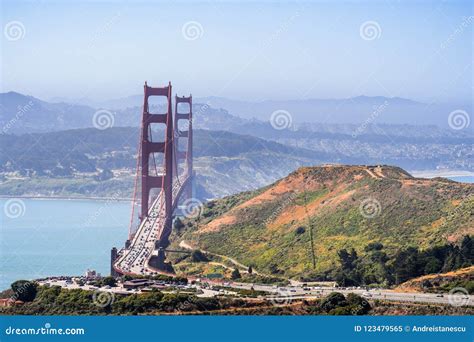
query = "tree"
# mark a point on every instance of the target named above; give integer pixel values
(109, 281)
(407, 264)
(347, 259)
(198, 256)
(332, 301)
(235, 274)
(178, 224)
(24, 290)
(357, 304)
(300, 230)
(433, 265)
(467, 249)
(104, 175)
(274, 269)
(373, 246)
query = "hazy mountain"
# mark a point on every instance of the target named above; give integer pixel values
(356, 110)
(26, 114)
(21, 114)
(354, 116)
(68, 163)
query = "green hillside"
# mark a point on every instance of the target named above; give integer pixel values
(321, 210)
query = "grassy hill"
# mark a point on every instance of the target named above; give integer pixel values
(442, 282)
(317, 211)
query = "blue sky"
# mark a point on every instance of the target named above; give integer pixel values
(246, 50)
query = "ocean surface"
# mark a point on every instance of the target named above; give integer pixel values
(58, 237)
(41, 238)
(463, 179)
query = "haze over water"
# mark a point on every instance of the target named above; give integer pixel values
(60, 237)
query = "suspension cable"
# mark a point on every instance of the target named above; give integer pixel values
(137, 171)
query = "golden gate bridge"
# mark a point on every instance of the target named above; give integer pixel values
(171, 181)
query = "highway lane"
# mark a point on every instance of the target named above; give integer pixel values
(134, 260)
(285, 295)
(299, 292)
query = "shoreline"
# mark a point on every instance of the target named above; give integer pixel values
(441, 173)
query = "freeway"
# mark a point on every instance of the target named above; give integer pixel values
(134, 259)
(286, 294)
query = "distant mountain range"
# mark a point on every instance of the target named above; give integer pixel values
(414, 147)
(355, 110)
(24, 114)
(67, 163)
(360, 116)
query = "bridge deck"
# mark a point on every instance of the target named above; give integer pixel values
(134, 259)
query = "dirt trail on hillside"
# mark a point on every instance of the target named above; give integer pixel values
(184, 244)
(373, 175)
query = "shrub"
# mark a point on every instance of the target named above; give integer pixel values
(235, 274)
(24, 290)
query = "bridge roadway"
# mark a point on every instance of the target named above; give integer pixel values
(134, 259)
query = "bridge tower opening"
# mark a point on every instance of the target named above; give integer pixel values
(171, 176)
(184, 114)
(164, 180)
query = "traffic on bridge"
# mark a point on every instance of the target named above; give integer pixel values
(173, 180)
